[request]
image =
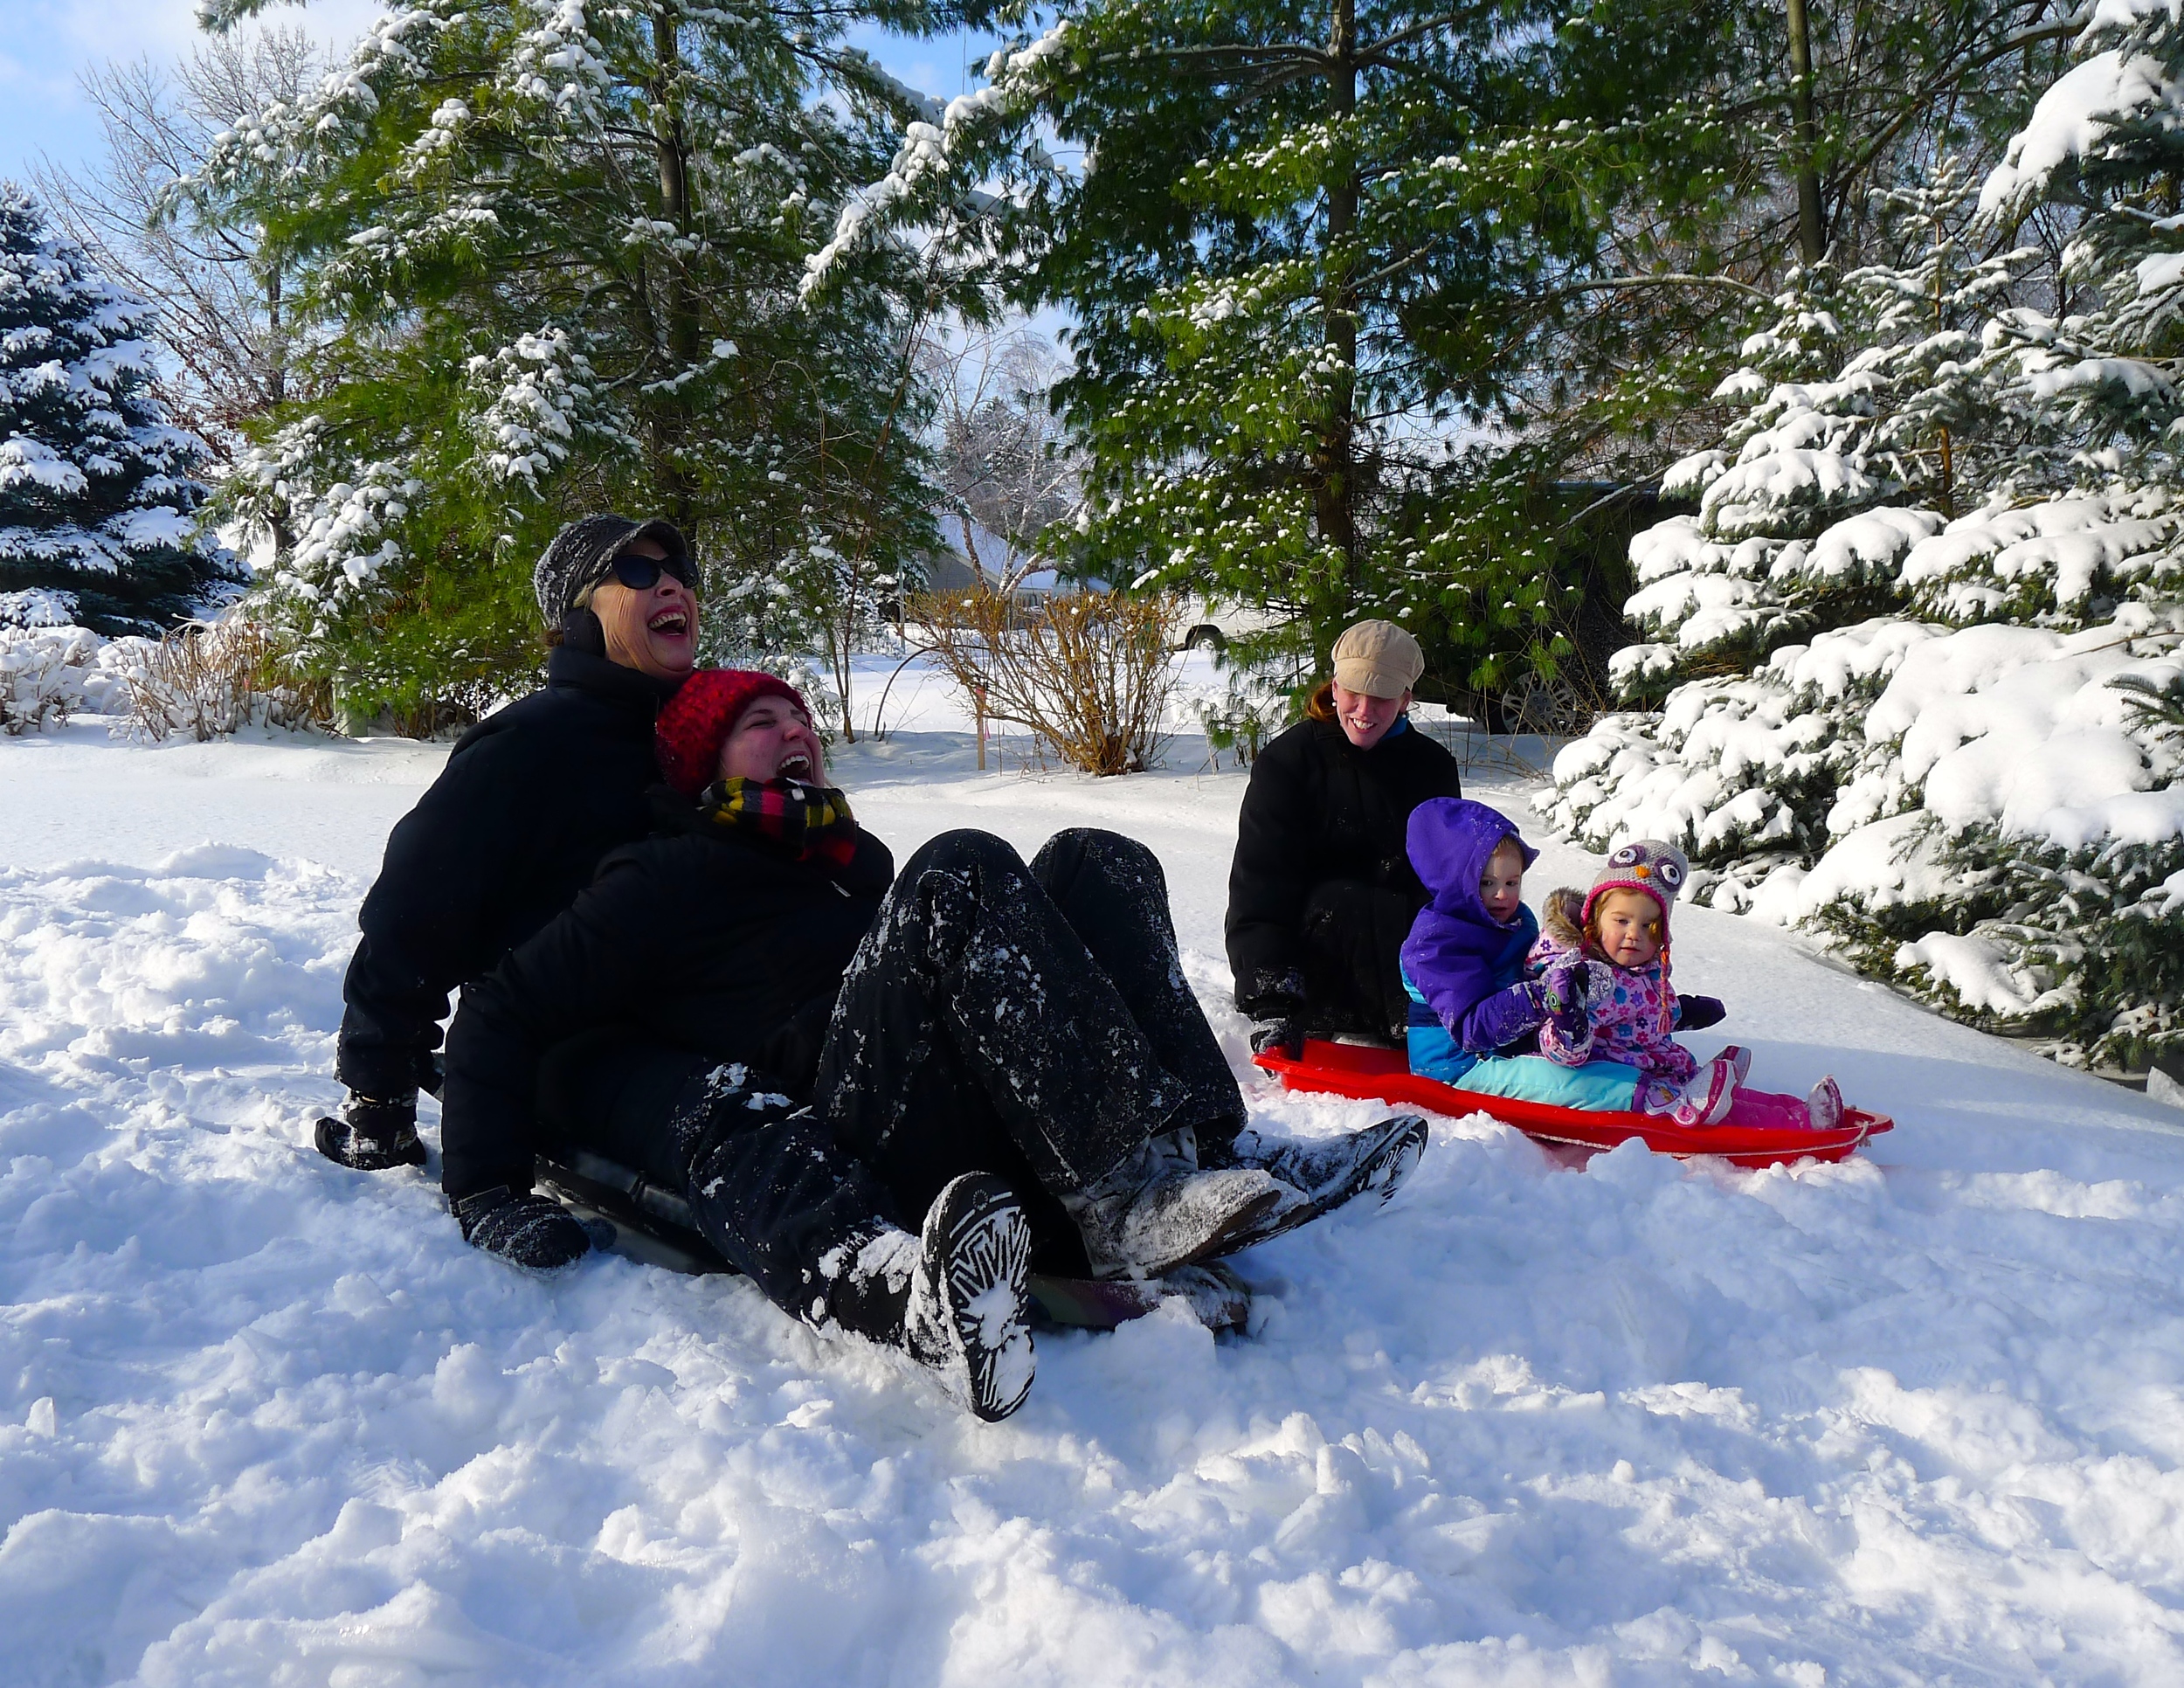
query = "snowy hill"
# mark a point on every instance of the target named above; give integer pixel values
(1918, 1418)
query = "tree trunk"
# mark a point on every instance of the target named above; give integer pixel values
(1335, 497)
(1812, 241)
(276, 341)
(679, 305)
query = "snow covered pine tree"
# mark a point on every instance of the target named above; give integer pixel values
(97, 499)
(1976, 793)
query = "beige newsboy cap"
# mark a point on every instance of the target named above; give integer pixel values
(1378, 659)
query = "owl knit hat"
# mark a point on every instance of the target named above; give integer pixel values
(697, 720)
(1655, 868)
(1645, 864)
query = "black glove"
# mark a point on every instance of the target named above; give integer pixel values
(1284, 1036)
(1696, 1013)
(524, 1230)
(1269, 995)
(1563, 991)
(371, 1135)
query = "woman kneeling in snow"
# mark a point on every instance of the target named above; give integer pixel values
(884, 1095)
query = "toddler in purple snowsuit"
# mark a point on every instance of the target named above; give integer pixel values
(1463, 963)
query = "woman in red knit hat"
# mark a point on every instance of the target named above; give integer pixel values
(884, 1096)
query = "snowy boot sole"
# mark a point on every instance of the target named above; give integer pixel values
(967, 1313)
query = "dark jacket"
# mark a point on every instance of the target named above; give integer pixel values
(702, 939)
(1467, 965)
(514, 827)
(1318, 809)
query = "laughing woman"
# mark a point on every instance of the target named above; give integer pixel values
(482, 862)
(884, 1095)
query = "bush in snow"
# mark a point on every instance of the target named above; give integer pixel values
(49, 673)
(97, 500)
(210, 679)
(1951, 742)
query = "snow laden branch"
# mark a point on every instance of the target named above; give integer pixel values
(933, 161)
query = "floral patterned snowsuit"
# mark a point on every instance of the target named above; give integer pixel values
(1632, 1012)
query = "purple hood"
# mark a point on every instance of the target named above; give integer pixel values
(1458, 954)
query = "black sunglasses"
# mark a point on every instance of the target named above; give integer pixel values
(641, 574)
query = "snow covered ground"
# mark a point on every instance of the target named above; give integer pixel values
(1919, 1419)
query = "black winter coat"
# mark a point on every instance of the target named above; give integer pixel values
(531, 799)
(1318, 808)
(703, 939)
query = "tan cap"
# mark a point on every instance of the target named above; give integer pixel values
(1378, 659)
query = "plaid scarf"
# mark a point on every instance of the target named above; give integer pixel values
(804, 820)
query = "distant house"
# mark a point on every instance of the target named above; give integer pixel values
(986, 558)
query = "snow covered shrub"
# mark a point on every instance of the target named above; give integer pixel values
(1946, 737)
(49, 673)
(40, 676)
(210, 679)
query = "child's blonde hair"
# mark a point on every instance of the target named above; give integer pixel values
(1658, 925)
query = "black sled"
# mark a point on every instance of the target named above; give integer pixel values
(653, 1224)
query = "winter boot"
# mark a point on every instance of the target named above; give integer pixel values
(1323, 1173)
(1156, 1211)
(371, 1137)
(1739, 1058)
(525, 1230)
(965, 1313)
(1823, 1106)
(1706, 1100)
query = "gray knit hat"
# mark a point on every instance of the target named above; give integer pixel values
(583, 554)
(1650, 865)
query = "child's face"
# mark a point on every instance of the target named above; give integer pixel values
(1629, 928)
(1501, 886)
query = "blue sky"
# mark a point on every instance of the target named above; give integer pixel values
(46, 44)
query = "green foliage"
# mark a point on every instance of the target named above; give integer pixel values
(548, 261)
(1296, 261)
(2092, 937)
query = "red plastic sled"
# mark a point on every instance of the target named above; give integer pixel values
(1384, 1076)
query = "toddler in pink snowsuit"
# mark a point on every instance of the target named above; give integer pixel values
(1616, 936)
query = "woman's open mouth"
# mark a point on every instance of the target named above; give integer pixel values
(795, 766)
(670, 624)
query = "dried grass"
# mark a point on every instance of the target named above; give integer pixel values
(1088, 675)
(210, 679)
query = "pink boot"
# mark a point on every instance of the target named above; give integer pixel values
(1740, 1058)
(1707, 1098)
(1823, 1108)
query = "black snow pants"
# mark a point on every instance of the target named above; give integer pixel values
(1352, 936)
(1031, 1022)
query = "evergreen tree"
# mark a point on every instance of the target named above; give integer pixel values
(1974, 793)
(1355, 280)
(546, 260)
(98, 505)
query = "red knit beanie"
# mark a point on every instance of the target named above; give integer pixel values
(697, 720)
